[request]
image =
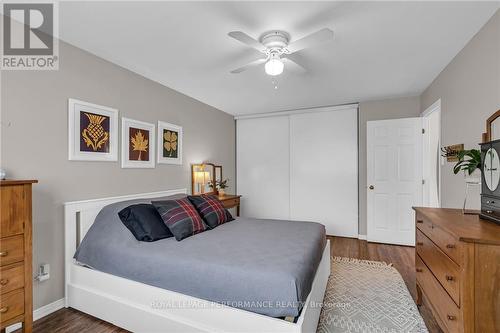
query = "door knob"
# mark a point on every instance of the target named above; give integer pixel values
(371, 187)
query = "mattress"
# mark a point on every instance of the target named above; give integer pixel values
(263, 266)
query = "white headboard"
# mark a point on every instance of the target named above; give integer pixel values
(80, 215)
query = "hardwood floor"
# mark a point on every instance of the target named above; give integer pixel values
(402, 257)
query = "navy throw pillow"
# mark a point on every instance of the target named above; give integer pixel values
(144, 222)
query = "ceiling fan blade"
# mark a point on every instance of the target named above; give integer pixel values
(317, 37)
(247, 40)
(249, 65)
(294, 64)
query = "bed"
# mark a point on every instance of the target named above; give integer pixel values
(243, 276)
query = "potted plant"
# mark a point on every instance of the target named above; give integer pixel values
(221, 186)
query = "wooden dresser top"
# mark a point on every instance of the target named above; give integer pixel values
(467, 228)
(17, 182)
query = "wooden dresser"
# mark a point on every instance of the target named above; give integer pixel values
(16, 278)
(457, 264)
(231, 201)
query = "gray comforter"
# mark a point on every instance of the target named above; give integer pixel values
(264, 266)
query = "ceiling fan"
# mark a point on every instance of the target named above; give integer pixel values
(276, 47)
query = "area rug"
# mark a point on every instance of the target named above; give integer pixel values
(367, 296)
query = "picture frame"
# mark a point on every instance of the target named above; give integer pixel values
(92, 132)
(169, 144)
(138, 144)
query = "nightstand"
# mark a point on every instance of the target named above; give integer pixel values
(231, 201)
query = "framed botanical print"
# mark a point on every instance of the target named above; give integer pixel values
(92, 132)
(138, 144)
(169, 143)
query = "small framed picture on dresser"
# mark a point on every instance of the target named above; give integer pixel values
(169, 143)
(92, 132)
(138, 144)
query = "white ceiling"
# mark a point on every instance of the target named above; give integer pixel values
(380, 49)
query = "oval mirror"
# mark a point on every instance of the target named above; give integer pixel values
(491, 169)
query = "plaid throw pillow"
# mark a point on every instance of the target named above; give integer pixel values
(181, 217)
(211, 209)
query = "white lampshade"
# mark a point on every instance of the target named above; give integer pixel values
(201, 177)
(274, 66)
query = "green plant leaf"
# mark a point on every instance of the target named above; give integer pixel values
(470, 164)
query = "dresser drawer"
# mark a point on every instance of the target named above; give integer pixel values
(443, 268)
(13, 208)
(442, 304)
(11, 249)
(11, 305)
(230, 203)
(490, 201)
(490, 207)
(446, 242)
(12, 277)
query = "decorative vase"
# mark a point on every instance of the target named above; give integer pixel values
(471, 181)
(222, 192)
(3, 174)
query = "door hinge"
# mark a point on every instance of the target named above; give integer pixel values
(423, 181)
(423, 130)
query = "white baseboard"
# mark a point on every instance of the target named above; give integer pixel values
(40, 313)
(362, 237)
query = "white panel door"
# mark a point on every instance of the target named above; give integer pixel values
(394, 178)
(262, 159)
(324, 170)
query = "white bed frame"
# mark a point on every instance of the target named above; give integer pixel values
(142, 308)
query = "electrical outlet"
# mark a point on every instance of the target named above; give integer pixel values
(43, 272)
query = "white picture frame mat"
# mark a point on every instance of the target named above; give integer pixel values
(126, 124)
(74, 154)
(163, 160)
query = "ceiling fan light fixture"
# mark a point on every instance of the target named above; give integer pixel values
(274, 66)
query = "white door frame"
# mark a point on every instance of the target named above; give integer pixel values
(434, 108)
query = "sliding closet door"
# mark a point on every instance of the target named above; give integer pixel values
(324, 169)
(262, 159)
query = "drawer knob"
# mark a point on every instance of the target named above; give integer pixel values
(451, 317)
(420, 243)
(5, 309)
(3, 282)
(450, 246)
(419, 270)
(4, 253)
(420, 221)
(449, 278)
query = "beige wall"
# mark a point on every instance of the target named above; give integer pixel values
(378, 110)
(35, 144)
(469, 89)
